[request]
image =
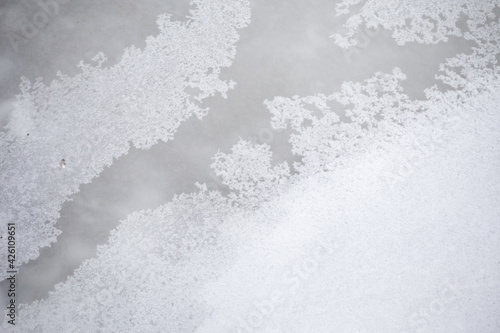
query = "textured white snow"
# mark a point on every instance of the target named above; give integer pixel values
(386, 219)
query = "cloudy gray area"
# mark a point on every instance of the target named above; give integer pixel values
(285, 51)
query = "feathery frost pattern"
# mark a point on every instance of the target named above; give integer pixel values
(248, 172)
(161, 267)
(424, 21)
(90, 119)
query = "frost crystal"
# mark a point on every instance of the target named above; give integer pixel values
(176, 268)
(425, 21)
(321, 137)
(88, 120)
(175, 249)
(248, 171)
(378, 108)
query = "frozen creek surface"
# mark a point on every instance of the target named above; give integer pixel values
(335, 251)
